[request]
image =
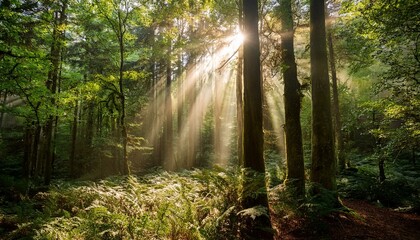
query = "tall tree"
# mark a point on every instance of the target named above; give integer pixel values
(338, 137)
(239, 91)
(292, 102)
(74, 138)
(254, 181)
(52, 85)
(323, 161)
(117, 19)
(168, 128)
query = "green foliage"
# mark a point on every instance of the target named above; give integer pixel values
(275, 167)
(285, 202)
(199, 204)
(254, 212)
(317, 203)
(320, 202)
(400, 189)
(253, 184)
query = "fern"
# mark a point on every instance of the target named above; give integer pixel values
(197, 204)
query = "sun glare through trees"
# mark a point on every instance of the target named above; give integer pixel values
(207, 88)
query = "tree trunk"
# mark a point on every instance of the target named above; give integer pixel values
(323, 162)
(217, 112)
(27, 152)
(155, 135)
(381, 166)
(292, 103)
(168, 128)
(239, 107)
(254, 181)
(3, 107)
(193, 136)
(99, 120)
(239, 92)
(124, 134)
(56, 50)
(74, 139)
(181, 94)
(35, 168)
(336, 107)
(89, 126)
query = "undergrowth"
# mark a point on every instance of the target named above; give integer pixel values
(399, 190)
(198, 204)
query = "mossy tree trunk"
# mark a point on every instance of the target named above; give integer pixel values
(323, 166)
(292, 103)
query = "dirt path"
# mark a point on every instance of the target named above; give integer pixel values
(370, 222)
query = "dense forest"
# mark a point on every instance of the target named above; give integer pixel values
(209, 119)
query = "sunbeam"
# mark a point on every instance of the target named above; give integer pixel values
(206, 86)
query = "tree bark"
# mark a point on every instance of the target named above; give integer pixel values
(168, 131)
(51, 84)
(74, 139)
(338, 137)
(3, 104)
(34, 165)
(27, 152)
(381, 165)
(323, 162)
(124, 135)
(253, 130)
(217, 112)
(239, 93)
(181, 95)
(89, 125)
(292, 103)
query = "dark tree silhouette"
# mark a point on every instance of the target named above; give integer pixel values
(292, 102)
(254, 189)
(323, 161)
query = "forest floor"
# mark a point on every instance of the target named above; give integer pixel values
(365, 221)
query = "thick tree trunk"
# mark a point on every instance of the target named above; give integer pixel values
(239, 93)
(339, 144)
(323, 161)
(253, 130)
(239, 107)
(292, 103)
